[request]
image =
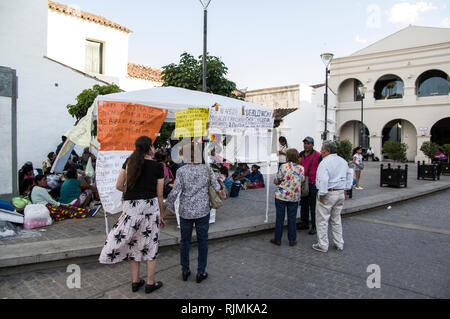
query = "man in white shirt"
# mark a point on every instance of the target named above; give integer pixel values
(332, 180)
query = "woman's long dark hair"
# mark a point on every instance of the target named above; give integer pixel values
(136, 160)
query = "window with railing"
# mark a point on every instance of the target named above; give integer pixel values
(389, 87)
(433, 83)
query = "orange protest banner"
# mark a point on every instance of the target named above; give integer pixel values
(119, 124)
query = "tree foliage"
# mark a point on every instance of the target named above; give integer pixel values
(446, 150)
(188, 74)
(430, 149)
(344, 149)
(87, 97)
(395, 150)
(164, 134)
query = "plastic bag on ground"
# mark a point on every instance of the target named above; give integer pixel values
(7, 229)
(36, 215)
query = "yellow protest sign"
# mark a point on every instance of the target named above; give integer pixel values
(191, 122)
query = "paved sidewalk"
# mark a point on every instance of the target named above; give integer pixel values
(245, 214)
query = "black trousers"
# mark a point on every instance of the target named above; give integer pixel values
(308, 206)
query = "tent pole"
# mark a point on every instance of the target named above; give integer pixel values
(106, 224)
(267, 192)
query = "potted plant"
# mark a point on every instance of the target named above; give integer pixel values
(429, 170)
(445, 167)
(395, 151)
(344, 149)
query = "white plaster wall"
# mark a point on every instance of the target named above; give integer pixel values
(42, 116)
(308, 120)
(66, 43)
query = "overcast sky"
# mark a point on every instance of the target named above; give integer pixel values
(264, 43)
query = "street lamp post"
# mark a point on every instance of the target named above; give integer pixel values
(326, 58)
(362, 137)
(205, 4)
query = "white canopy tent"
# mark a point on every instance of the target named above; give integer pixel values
(171, 99)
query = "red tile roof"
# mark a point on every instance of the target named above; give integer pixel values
(144, 72)
(65, 9)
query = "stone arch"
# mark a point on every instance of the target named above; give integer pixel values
(401, 130)
(440, 131)
(432, 83)
(348, 90)
(350, 130)
(389, 86)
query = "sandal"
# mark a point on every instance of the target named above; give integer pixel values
(151, 288)
(136, 285)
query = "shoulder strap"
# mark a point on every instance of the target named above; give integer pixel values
(209, 175)
(310, 163)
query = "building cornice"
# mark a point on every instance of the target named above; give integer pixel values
(390, 53)
(67, 10)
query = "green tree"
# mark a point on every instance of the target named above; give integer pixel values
(188, 74)
(446, 150)
(164, 134)
(430, 149)
(395, 150)
(344, 149)
(87, 97)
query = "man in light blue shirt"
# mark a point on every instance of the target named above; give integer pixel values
(332, 181)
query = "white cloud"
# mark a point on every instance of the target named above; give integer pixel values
(359, 40)
(445, 23)
(408, 13)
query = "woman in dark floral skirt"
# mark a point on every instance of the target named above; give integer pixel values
(135, 237)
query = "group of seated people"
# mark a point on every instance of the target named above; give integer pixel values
(65, 195)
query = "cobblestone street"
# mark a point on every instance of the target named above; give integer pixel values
(410, 243)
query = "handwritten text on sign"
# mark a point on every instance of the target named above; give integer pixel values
(121, 123)
(109, 164)
(191, 122)
(251, 120)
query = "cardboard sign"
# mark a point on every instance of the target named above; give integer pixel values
(191, 122)
(119, 124)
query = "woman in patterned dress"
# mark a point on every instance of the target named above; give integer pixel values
(135, 237)
(289, 179)
(192, 182)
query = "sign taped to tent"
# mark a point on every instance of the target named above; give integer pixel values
(119, 124)
(233, 121)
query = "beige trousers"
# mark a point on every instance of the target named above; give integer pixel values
(330, 210)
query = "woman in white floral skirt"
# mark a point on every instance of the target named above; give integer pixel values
(135, 237)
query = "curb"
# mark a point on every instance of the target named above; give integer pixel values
(51, 251)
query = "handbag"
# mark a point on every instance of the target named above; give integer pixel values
(214, 199)
(305, 184)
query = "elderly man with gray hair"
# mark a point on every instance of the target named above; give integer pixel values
(332, 181)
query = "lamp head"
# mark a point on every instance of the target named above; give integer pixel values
(205, 3)
(362, 90)
(326, 58)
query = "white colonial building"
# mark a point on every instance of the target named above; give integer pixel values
(299, 112)
(406, 77)
(53, 53)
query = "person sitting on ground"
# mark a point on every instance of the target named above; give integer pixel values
(48, 163)
(76, 192)
(241, 174)
(54, 182)
(85, 157)
(256, 178)
(226, 180)
(26, 176)
(58, 211)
